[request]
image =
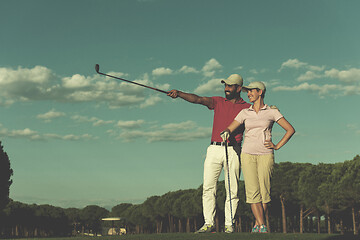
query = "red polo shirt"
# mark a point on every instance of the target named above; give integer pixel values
(224, 114)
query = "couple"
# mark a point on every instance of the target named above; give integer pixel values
(231, 115)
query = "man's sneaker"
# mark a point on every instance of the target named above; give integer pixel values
(206, 228)
(255, 229)
(263, 229)
(229, 229)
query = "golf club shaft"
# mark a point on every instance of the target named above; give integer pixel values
(228, 175)
(139, 84)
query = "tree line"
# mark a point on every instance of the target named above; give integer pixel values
(322, 198)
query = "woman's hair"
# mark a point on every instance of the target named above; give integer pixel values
(263, 92)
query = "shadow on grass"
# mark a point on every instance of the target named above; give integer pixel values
(224, 236)
(344, 237)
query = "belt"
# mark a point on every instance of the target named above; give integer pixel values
(221, 144)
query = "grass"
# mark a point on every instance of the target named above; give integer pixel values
(218, 236)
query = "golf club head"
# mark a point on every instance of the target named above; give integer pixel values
(97, 67)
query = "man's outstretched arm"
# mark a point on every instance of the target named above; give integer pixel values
(206, 101)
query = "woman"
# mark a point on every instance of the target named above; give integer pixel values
(257, 155)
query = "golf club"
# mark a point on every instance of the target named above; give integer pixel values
(228, 175)
(97, 68)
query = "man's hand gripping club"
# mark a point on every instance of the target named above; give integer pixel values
(225, 135)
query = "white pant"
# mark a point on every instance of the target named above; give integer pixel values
(214, 162)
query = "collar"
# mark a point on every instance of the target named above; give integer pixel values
(239, 101)
(265, 107)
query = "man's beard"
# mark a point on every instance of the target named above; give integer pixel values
(230, 96)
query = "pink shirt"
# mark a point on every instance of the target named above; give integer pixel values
(224, 113)
(258, 127)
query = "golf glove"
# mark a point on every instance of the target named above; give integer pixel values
(224, 135)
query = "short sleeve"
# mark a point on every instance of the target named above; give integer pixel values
(276, 114)
(240, 117)
(215, 101)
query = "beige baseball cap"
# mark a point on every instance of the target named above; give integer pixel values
(253, 85)
(233, 79)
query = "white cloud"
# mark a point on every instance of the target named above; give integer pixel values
(150, 101)
(175, 132)
(347, 76)
(76, 81)
(6, 102)
(295, 63)
(83, 118)
(350, 90)
(73, 137)
(68, 137)
(309, 75)
(117, 74)
(333, 73)
(29, 134)
(100, 122)
(164, 86)
(130, 124)
(25, 84)
(47, 117)
(307, 86)
(273, 82)
(212, 86)
(36, 75)
(317, 68)
(348, 81)
(40, 84)
(94, 120)
(210, 67)
(22, 133)
(187, 69)
(162, 71)
(208, 70)
(321, 90)
(292, 63)
(180, 126)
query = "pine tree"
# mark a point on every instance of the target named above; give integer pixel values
(5, 174)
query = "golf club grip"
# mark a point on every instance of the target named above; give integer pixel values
(139, 84)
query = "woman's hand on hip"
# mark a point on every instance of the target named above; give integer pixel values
(270, 145)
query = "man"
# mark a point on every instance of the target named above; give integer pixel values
(225, 110)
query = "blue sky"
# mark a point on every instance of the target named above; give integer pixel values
(76, 138)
